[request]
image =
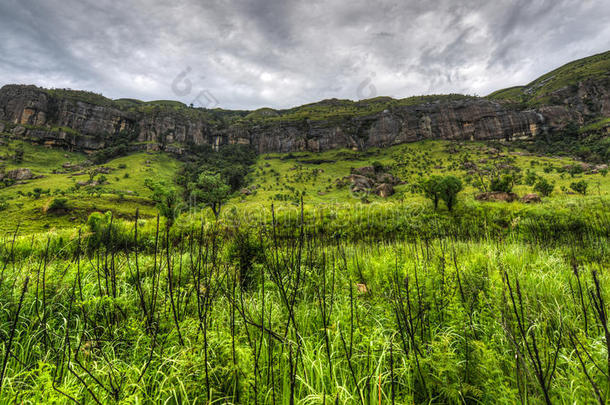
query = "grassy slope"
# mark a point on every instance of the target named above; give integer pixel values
(536, 92)
(28, 211)
(278, 178)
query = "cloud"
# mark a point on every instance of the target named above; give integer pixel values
(246, 54)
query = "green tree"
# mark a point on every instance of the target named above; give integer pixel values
(166, 200)
(19, 152)
(450, 186)
(544, 187)
(580, 187)
(211, 191)
(431, 189)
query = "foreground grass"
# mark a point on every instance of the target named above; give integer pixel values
(236, 313)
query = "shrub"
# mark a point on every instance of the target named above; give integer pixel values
(450, 187)
(3, 203)
(378, 166)
(575, 169)
(580, 187)
(502, 184)
(544, 187)
(57, 204)
(530, 178)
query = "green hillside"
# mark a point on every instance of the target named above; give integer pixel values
(282, 179)
(122, 190)
(537, 92)
(450, 272)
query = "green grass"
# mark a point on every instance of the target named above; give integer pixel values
(537, 92)
(335, 109)
(123, 193)
(275, 178)
(337, 301)
(595, 126)
(414, 321)
(280, 176)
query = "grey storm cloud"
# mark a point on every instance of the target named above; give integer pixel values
(246, 54)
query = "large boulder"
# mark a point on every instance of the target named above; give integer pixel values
(360, 183)
(19, 174)
(387, 178)
(384, 190)
(497, 196)
(531, 198)
(367, 171)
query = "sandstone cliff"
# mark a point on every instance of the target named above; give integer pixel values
(42, 116)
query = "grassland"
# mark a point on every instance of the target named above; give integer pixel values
(537, 92)
(346, 298)
(282, 177)
(123, 191)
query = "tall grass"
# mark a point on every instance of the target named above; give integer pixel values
(310, 307)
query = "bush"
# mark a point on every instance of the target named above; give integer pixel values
(57, 204)
(378, 166)
(575, 169)
(530, 178)
(502, 184)
(3, 203)
(580, 187)
(544, 187)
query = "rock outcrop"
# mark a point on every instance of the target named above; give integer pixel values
(17, 174)
(531, 198)
(497, 196)
(77, 123)
(369, 180)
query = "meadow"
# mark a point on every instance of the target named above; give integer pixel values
(303, 291)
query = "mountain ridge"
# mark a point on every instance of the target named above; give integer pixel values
(577, 93)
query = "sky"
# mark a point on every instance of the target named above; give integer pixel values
(248, 54)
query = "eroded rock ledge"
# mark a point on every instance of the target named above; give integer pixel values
(38, 116)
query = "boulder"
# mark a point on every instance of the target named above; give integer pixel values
(384, 190)
(2, 127)
(19, 174)
(531, 198)
(469, 166)
(360, 182)
(387, 178)
(497, 196)
(70, 166)
(367, 171)
(362, 288)
(19, 130)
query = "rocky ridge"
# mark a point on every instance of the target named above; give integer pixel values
(40, 116)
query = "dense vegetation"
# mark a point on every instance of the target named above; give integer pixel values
(395, 303)
(237, 278)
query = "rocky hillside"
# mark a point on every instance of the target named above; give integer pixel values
(576, 93)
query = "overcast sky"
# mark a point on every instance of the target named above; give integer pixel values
(281, 53)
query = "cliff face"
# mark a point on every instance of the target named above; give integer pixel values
(457, 120)
(37, 115)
